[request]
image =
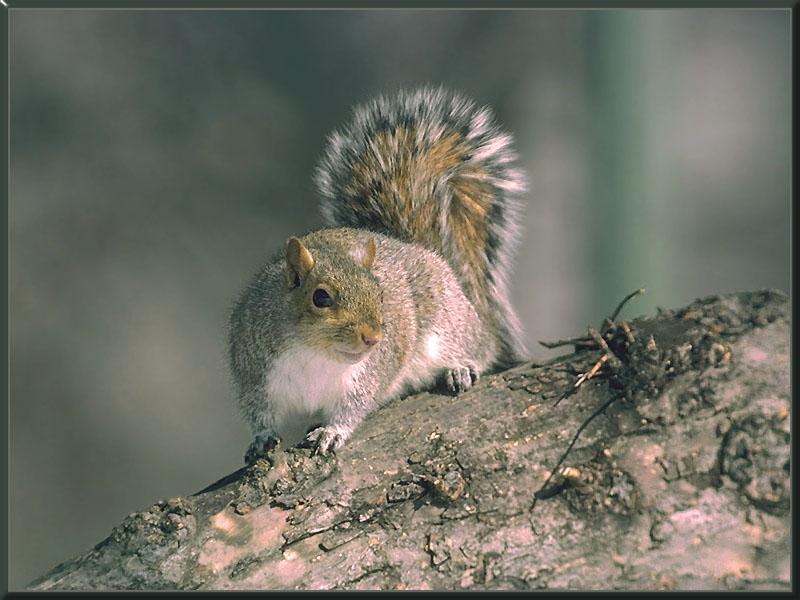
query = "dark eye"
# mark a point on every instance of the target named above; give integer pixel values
(322, 299)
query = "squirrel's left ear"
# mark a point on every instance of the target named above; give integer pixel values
(298, 260)
(366, 254)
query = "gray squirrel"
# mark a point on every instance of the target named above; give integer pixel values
(407, 288)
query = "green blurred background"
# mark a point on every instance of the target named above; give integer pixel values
(158, 157)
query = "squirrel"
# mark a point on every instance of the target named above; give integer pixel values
(406, 289)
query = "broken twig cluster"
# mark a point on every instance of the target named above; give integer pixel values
(614, 341)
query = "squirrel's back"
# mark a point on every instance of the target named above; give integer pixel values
(431, 167)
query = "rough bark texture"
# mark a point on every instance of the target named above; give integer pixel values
(683, 483)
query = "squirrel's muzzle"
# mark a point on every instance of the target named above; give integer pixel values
(369, 335)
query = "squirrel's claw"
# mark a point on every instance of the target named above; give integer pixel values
(260, 445)
(325, 440)
(460, 379)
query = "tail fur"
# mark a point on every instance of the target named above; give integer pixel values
(431, 167)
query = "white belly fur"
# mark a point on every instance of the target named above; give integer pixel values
(305, 387)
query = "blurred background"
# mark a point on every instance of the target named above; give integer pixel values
(157, 158)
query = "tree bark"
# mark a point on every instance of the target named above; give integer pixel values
(681, 483)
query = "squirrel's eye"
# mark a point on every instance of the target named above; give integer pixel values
(322, 299)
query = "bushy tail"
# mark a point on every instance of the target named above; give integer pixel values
(430, 167)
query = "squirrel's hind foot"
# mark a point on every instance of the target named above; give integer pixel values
(260, 445)
(460, 379)
(325, 440)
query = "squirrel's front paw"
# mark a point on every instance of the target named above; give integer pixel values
(460, 379)
(260, 445)
(326, 440)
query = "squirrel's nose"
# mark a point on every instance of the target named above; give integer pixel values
(370, 336)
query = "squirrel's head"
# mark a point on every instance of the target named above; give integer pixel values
(337, 298)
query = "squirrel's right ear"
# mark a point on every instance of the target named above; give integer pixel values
(298, 260)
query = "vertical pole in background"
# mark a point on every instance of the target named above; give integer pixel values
(621, 196)
(4, 354)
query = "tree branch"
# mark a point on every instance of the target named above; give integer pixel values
(681, 483)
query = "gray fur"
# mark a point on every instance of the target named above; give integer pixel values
(435, 112)
(421, 298)
(431, 328)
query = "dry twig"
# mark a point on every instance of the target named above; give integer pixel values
(593, 340)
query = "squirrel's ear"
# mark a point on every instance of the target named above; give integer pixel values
(299, 261)
(368, 254)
